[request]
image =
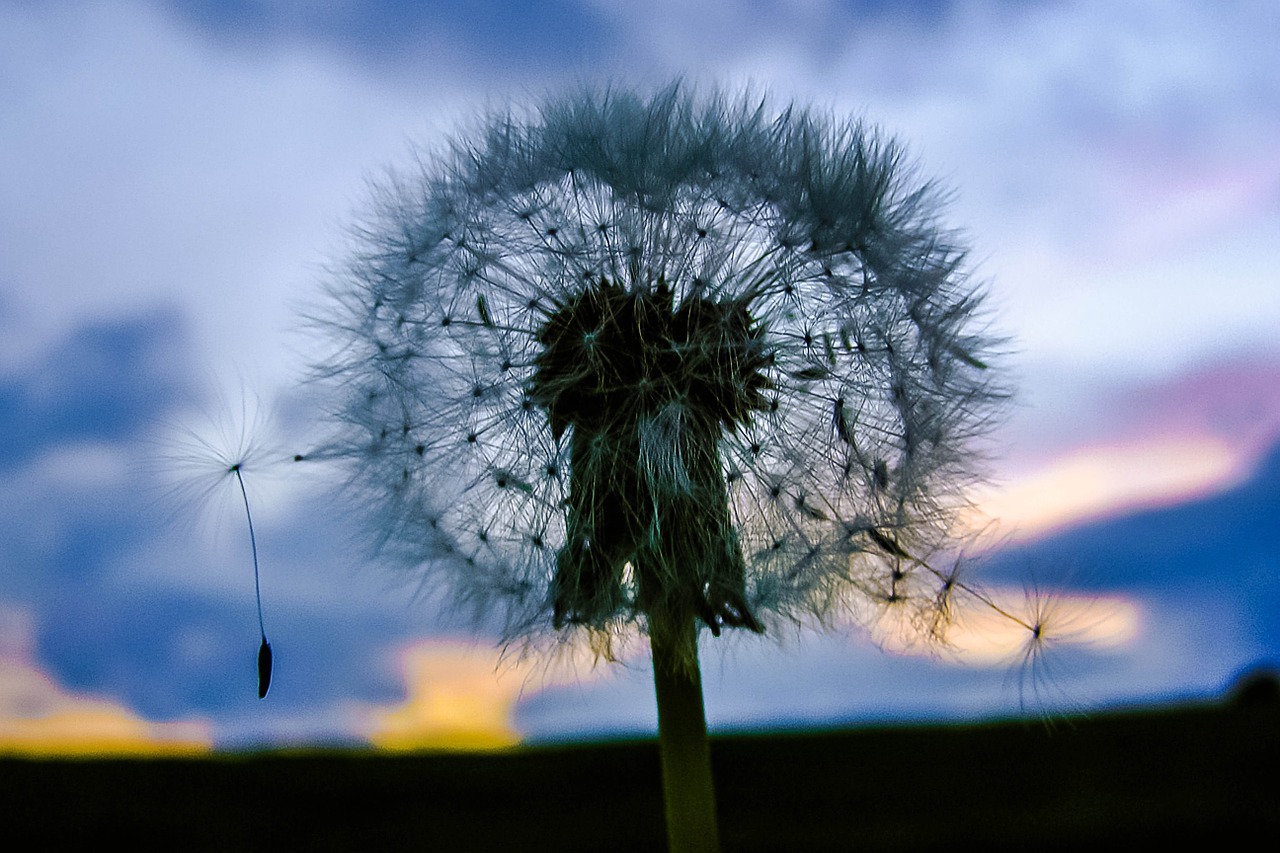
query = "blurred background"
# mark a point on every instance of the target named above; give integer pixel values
(175, 177)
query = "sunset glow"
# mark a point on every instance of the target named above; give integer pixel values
(986, 636)
(1096, 481)
(462, 696)
(40, 719)
(983, 636)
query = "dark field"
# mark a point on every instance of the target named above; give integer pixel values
(1194, 775)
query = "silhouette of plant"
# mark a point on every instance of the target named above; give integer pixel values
(664, 363)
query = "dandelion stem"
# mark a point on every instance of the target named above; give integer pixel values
(688, 788)
(264, 648)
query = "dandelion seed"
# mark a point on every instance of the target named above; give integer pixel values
(264, 667)
(200, 465)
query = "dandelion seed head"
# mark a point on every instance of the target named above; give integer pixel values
(629, 356)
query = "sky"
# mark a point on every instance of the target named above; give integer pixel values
(175, 178)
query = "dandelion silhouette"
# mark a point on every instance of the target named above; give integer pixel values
(664, 363)
(200, 466)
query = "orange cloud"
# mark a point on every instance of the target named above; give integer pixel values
(40, 719)
(1095, 481)
(463, 696)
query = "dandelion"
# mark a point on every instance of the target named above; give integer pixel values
(664, 364)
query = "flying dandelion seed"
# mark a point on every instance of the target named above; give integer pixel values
(660, 364)
(201, 465)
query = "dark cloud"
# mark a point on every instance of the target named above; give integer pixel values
(534, 36)
(174, 653)
(66, 423)
(105, 381)
(1208, 542)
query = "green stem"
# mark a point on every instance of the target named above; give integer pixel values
(682, 737)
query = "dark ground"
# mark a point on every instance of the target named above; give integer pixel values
(1193, 775)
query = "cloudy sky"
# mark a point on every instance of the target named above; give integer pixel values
(175, 176)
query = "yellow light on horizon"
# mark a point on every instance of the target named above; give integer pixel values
(38, 719)
(455, 701)
(463, 696)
